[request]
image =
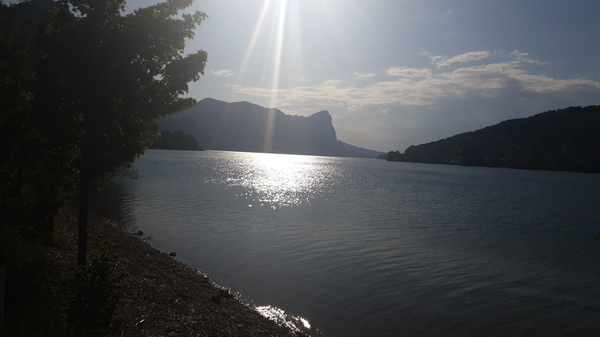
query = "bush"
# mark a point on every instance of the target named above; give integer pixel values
(35, 294)
(96, 292)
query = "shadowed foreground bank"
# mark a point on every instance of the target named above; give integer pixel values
(162, 296)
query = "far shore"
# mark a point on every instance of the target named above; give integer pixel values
(160, 295)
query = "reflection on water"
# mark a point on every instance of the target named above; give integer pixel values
(279, 180)
(372, 248)
(296, 323)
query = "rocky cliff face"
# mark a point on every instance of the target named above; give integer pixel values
(244, 126)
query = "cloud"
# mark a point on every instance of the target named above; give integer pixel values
(522, 57)
(408, 72)
(440, 61)
(364, 76)
(413, 87)
(222, 73)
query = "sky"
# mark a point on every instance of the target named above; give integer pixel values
(395, 73)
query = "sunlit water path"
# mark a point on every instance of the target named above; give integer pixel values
(363, 247)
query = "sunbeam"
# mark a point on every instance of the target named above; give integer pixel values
(255, 35)
(278, 52)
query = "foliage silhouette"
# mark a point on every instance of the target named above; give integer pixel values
(103, 78)
(36, 175)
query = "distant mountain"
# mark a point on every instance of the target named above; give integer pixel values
(243, 126)
(560, 140)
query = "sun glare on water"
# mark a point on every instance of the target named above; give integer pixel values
(279, 180)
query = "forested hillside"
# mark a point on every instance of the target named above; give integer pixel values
(561, 140)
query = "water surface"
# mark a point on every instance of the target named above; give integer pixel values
(364, 247)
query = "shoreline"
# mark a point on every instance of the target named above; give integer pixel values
(161, 296)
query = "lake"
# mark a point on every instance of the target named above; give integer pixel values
(365, 247)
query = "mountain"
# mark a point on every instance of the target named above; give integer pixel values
(559, 140)
(243, 126)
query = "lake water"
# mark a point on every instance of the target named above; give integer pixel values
(363, 247)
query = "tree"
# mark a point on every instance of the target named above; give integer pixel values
(35, 177)
(107, 77)
(16, 77)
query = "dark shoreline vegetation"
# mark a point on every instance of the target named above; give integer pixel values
(557, 140)
(82, 84)
(176, 141)
(128, 289)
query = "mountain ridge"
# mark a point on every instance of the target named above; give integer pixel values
(559, 140)
(248, 127)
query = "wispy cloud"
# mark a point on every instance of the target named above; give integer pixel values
(362, 76)
(222, 73)
(409, 72)
(441, 61)
(523, 57)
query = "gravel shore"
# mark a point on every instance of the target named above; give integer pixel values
(160, 295)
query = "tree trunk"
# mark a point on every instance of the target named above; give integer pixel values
(17, 189)
(84, 196)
